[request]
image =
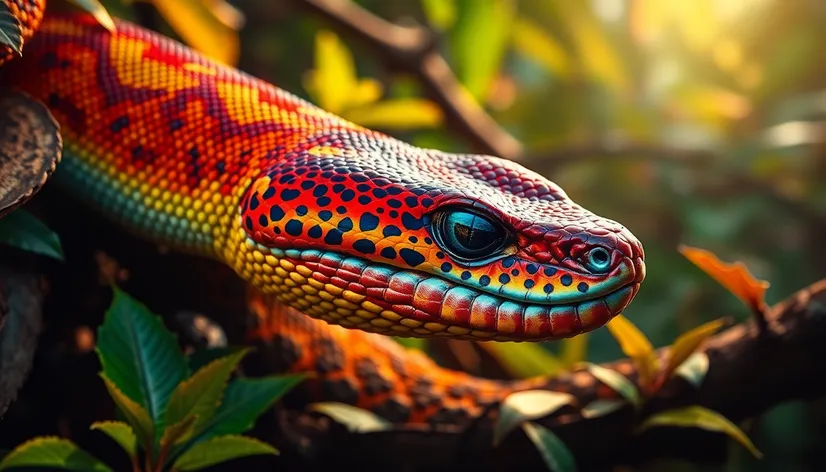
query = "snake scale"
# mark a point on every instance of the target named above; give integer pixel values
(345, 225)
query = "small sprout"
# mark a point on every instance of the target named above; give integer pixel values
(182, 421)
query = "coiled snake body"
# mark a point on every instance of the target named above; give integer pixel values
(343, 224)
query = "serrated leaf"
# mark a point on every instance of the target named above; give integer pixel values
(134, 413)
(694, 369)
(636, 346)
(53, 452)
(617, 382)
(399, 113)
(735, 277)
(555, 453)
(479, 40)
(179, 432)
(703, 418)
(601, 407)
(245, 400)
(22, 230)
(98, 11)
(441, 14)
(11, 34)
(202, 27)
(524, 359)
(140, 356)
(201, 394)
(121, 433)
(687, 343)
(520, 407)
(537, 44)
(221, 449)
(334, 75)
(355, 419)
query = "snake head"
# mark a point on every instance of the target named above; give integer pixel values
(365, 231)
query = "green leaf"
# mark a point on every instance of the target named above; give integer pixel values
(135, 414)
(524, 359)
(441, 14)
(618, 383)
(179, 432)
(554, 452)
(201, 394)
(98, 11)
(355, 419)
(140, 356)
(11, 34)
(399, 113)
(687, 343)
(54, 452)
(694, 369)
(520, 407)
(121, 433)
(479, 39)
(22, 230)
(245, 400)
(598, 408)
(221, 449)
(703, 418)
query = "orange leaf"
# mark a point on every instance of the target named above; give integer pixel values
(735, 277)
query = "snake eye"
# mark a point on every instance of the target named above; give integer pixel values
(598, 260)
(468, 235)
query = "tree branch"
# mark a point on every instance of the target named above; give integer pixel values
(413, 50)
(747, 375)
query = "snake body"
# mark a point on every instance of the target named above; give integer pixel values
(341, 223)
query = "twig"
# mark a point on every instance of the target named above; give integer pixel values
(413, 50)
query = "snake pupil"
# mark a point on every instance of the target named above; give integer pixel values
(469, 235)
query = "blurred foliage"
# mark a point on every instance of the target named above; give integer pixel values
(720, 104)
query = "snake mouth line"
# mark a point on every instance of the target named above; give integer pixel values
(356, 293)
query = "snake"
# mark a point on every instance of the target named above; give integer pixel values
(356, 231)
